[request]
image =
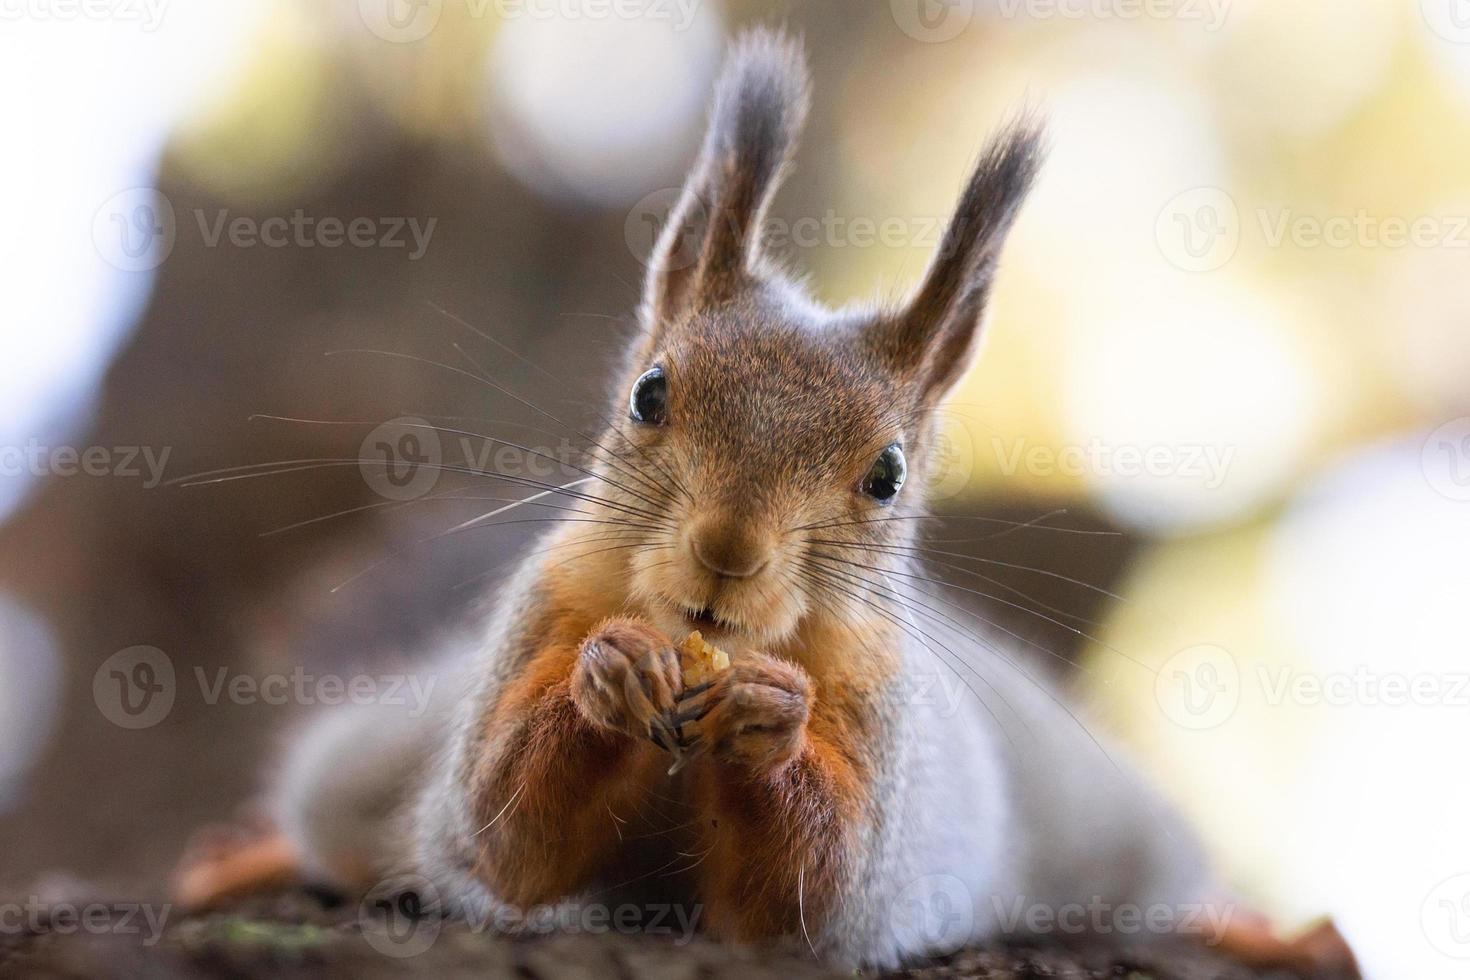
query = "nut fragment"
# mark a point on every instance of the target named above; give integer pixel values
(701, 661)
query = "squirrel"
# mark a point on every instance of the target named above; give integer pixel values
(762, 481)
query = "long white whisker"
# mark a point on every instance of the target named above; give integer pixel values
(533, 497)
(513, 797)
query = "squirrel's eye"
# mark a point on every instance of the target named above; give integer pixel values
(649, 400)
(887, 475)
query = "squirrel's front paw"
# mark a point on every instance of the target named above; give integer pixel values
(753, 715)
(628, 679)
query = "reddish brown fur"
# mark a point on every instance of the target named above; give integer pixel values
(780, 836)
(546, 798)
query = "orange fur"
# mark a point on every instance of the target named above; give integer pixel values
(545, 801)
(781, 838)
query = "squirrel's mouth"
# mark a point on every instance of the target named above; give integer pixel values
(706, 620)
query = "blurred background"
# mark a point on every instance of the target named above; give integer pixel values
(1230, 342)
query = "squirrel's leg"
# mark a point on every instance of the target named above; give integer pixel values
(223, 863)
(779, 796)
(568, 747)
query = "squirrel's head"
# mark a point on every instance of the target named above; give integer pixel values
(783, 448)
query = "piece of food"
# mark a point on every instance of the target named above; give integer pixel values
(701, 661)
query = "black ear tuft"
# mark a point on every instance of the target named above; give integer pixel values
(710, 242)
(936, 333)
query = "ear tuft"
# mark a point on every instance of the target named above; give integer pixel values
(936, 334)
(760, 106)
(711, 241)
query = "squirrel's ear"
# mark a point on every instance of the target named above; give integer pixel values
(935, 336)
(711, 242)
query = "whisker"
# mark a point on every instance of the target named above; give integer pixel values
(878, 549)
(428, 498)
(1013, 525)
(553, 378)
(921, 636)
(989, 623)
(450, 430)
(634, 472)
(988, 561)
(905, 604)
(281, 467)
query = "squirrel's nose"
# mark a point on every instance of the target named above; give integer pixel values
(728, 548)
